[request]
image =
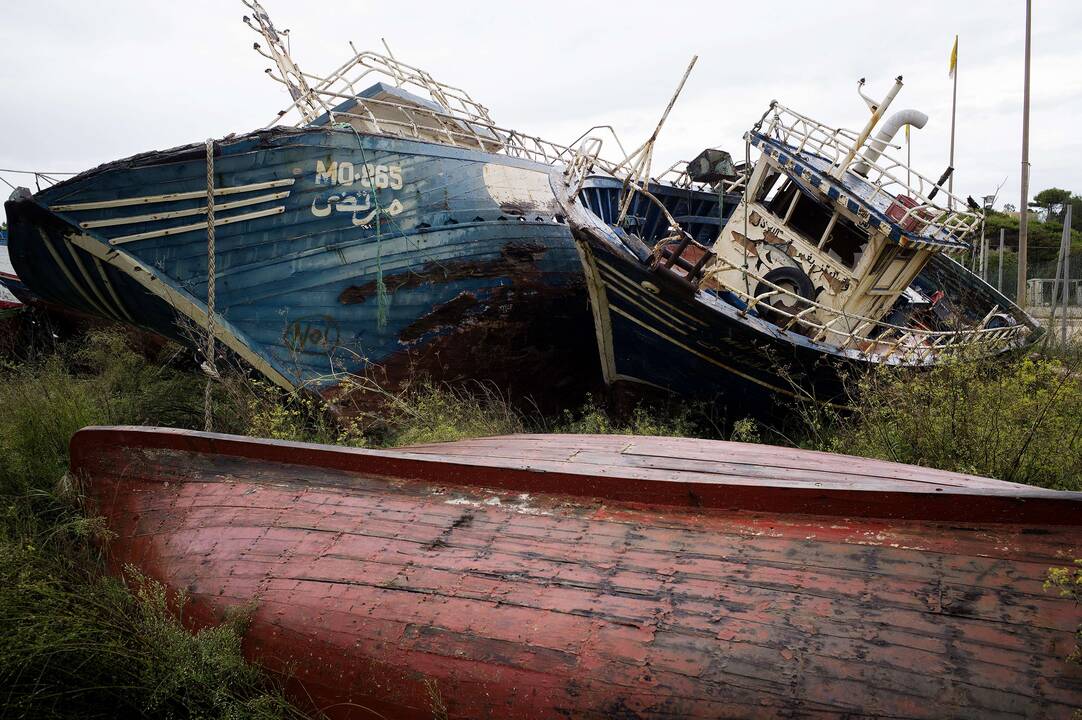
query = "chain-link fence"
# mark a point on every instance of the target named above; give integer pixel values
(1040, 279)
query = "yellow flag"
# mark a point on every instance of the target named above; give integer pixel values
(954, 57)
(907, 133)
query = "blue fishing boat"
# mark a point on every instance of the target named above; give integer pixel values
(834, 258)
(384, 233)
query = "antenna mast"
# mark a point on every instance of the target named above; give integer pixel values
(303, 98)
(638, 162)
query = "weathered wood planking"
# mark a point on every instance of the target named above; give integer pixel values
(373, 587)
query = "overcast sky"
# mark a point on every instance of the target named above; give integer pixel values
(86, 83)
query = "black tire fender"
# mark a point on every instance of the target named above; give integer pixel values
(787, 277)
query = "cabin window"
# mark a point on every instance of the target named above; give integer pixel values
(771, 187)
(846, 243)
(781, 200)
(809, 218)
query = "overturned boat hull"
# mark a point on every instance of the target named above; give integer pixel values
(602, 576)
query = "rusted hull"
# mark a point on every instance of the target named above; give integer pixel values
(447, 263)
(746, 583)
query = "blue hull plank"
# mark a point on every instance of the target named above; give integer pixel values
(480, 276)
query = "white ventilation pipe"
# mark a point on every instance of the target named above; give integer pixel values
(882, 139)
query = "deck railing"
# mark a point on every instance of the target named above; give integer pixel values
(871, 338)
(951, 220)
(456, 119)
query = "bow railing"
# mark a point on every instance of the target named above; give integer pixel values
(904, 194)
(847, 331)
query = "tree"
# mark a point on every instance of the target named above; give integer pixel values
(1054, 202)
(1008, 208)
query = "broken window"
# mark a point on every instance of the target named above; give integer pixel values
(770, 187)
(809, 218)
(782, 199)
(846, 243)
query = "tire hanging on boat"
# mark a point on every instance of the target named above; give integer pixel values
(790, 278)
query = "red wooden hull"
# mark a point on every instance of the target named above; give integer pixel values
(576, 576)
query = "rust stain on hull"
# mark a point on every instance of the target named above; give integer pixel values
(379, 574)
(516, 260)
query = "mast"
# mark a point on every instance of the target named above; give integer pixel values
(1023, 220)
(639, 161)
(954, 110)
(305, 100)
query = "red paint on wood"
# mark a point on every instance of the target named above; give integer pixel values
(379, 576)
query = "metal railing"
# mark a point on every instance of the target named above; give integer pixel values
(455, 119)
(890, 178)
(446, 114)
(48, 178)
(871, 338)
(677, 176)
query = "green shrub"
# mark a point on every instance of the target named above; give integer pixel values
(103, 382)
(1018, 420)
(440, 413)
(76, 643)
(79, 645)
(673, 419)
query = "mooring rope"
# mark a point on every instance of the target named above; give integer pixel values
(210, 366)
(383, 300)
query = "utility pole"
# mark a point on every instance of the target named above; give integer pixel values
(979, 262)
(999, 282)
(1023, 221)
(1066, 244)
(988, 201)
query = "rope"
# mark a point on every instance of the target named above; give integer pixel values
(383, 300)
(210, 366)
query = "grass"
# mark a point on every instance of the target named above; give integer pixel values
(78, 643)
(1018, 419)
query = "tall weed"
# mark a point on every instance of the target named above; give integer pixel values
(1018, 420)
(76, 643)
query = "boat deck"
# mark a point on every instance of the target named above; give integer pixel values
(539, 576)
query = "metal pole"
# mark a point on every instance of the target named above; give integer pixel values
(984, 254)
(954, 108)
(1053, 301)
(999, 282)
(1066, 268)
(1023, 223)
(980, 252)
(839, 171)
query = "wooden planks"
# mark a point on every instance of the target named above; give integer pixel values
(634, 470)
(705, 456)
(371, 590)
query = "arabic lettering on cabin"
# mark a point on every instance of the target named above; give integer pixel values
(363, 203)
(773, 235)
